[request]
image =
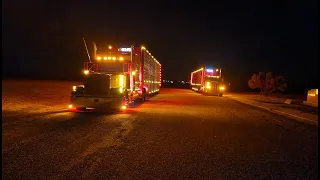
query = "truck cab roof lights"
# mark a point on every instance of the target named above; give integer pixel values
(209, 70)
(110, 58)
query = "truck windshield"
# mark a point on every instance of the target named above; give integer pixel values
(213, 79)
(112, 67)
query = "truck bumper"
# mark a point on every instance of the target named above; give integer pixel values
(98, 103)
(219, 93)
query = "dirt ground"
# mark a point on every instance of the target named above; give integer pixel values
(21, 95)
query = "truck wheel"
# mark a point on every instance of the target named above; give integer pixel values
(220, 95)
(81, 109)
(144, 94)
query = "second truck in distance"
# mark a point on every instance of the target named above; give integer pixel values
(207, 81)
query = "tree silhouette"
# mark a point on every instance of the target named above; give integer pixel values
(267, 82)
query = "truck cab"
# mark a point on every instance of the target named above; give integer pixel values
(213, 86)
(108, 81)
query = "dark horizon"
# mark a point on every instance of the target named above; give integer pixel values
(235, 87)
(44, 41)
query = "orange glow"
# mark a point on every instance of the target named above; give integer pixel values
(124, 107)
(70, 106)
(208, 85)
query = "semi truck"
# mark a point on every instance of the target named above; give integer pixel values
(207, 81)
(116, 78)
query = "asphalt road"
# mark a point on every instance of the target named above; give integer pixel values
(177, 134)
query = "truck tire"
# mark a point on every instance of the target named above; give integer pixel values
(144, 93)
(81, 109)
(220, 95)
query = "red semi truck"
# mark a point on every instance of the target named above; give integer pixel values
(207, 81)
(116, 78)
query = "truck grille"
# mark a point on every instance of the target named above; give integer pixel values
(97, 84)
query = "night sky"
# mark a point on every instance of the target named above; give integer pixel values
(44, 38)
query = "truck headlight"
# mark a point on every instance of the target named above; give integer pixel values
(221, 87)
(208, 85)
